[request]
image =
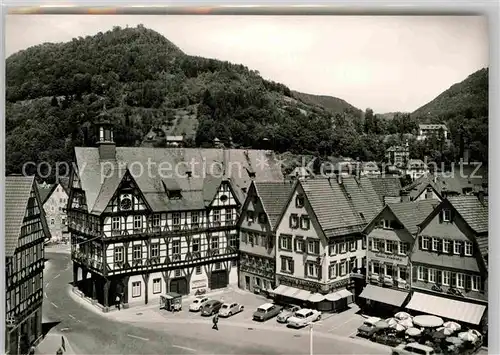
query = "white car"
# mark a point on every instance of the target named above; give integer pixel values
(198, 303)
(303, 317)
(228, 309)
(413, 348)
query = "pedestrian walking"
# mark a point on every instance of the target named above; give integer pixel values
(215, 320)
(118, 303)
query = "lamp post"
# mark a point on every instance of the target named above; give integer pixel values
(311, 338)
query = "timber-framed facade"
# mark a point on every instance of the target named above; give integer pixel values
(26, 232)
(142, 236)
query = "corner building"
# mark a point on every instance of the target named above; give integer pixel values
(138, 232)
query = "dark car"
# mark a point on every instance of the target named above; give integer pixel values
(266, 311)
(211, 307)
(367, 330)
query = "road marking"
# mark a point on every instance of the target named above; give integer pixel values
(135, 336)
(47, 284)
(64, 329)
(183, 347)
(342, 324)
(55, 305)
(57, 276)
(45, 295)
(71, 316)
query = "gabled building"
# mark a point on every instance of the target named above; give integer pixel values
(257, 223)
(449, 273)
(398, 155)
(145, 221)
(54, 200)
(390, 237)
(320, 249)
(25, 233)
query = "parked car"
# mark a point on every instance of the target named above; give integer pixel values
(303, 317)
(413, 348)
(367, 329)
(287, 312)
(228, 309)
(198, 303)
(266, 311)
(210, 307)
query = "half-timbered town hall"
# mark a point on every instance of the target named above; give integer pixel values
(145, 221)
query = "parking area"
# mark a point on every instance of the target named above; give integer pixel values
(342, 324)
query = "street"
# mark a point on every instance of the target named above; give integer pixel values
(91, 332)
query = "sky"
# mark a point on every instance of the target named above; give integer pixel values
(386, 63)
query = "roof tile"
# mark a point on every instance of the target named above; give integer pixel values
(17, 194)
(273, 196)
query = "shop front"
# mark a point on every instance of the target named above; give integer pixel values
(326, 298)
(383, 301)
(472, 314)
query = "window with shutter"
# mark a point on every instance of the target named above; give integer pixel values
(453, 280)
(292, 266)
(439, 277)
(468, 283)
(414, 273)
(316, 247)
(426, 274)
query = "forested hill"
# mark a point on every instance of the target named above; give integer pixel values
(55, 93)
(469, 96)
(464, 108)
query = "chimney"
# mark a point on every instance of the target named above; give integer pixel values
(105, 142)
(405, 196)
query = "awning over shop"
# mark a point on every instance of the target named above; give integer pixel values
(280, 290)
(292, 292)
(447, 308)
(302, 295)
(344, 293)
(384, 295)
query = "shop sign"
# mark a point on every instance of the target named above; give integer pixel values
(199, 284)
(389, 258)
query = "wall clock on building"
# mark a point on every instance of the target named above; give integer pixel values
(125, 203)
(223, 198)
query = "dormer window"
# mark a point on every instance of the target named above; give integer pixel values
(250, 216)
(262, 218)
(174, 194)
(386, 223)
(446, 215)
(299, 201)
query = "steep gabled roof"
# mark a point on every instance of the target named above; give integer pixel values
(17, 194)
(412, 214)
(45, 191)
(341, 208)
(330, 205)
(362, 197)
(472, 211)
(273, 196)
(422, 187)
(149, 165)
